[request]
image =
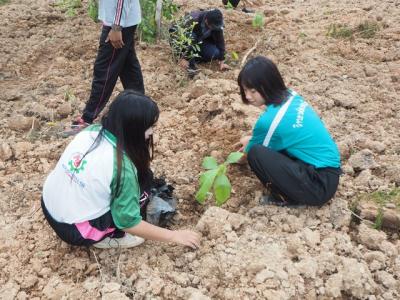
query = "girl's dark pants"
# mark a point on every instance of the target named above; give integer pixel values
(70, 234)
(296, 181)
(110, 64)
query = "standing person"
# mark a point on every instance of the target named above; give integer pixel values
(92, 197)
(290, 150)
(116, 57)
(208, 34)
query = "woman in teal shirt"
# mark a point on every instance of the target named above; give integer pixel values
(290, 149)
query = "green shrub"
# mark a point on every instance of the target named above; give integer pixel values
(180, 38)
(93, 10)
(148, 27)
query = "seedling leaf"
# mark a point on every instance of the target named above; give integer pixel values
(206, 181)
(234, 157)
(209, 163)
(222, 189)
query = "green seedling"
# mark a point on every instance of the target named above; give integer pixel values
(379, 219)
(69, 96)
(235, 56)
(215, 178)
(258, 20)
(92, 11)
(229, 5)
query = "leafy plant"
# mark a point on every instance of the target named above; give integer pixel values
(93, 10)
(215, 177)
(180, 38)
(148, 27)
(258, 20)
(69, 6)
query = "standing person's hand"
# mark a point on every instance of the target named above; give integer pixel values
(223, 66)
(186, 238)
(115, 38)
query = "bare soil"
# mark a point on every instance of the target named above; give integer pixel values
(248, 251)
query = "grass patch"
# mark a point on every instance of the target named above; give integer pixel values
(383, 198)
(69, 6)
(339, 31)
(4, 2)
(367, 29)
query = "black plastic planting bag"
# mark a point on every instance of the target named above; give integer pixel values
(162, 205)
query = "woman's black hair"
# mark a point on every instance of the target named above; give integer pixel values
(129, 116)
(261, 74)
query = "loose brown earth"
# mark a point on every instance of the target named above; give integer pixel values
(248, 251)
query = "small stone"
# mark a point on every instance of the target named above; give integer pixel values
(363, 160)
(369, 237)
(20, 123)
(5, 152)
(64, 110)
(369, 71)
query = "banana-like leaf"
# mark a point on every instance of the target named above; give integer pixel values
(234, 157)
(206, 181)
(209, 163)
(222, 189)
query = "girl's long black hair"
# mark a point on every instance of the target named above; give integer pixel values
(261, 74)
(128, 117)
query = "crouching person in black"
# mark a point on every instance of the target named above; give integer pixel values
(206, 39)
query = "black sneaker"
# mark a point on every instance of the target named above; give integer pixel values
(278, 200)
(248, 11)
(192, 71)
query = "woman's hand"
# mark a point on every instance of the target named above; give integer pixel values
(186, 238)
(243, 142)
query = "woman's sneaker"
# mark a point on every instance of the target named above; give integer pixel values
(127, 241)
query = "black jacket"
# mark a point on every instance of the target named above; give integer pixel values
(215, 37)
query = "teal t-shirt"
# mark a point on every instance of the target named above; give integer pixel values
(300, 133)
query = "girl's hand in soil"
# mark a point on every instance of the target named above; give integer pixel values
(243, 142)
(186, 238)
(150, 232)
(115, 37)
(223, 66)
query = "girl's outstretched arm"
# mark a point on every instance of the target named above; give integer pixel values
(151, 232)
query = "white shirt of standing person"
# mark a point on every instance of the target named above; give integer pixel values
(129, 10)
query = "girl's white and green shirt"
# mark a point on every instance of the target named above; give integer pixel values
(81, 187)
